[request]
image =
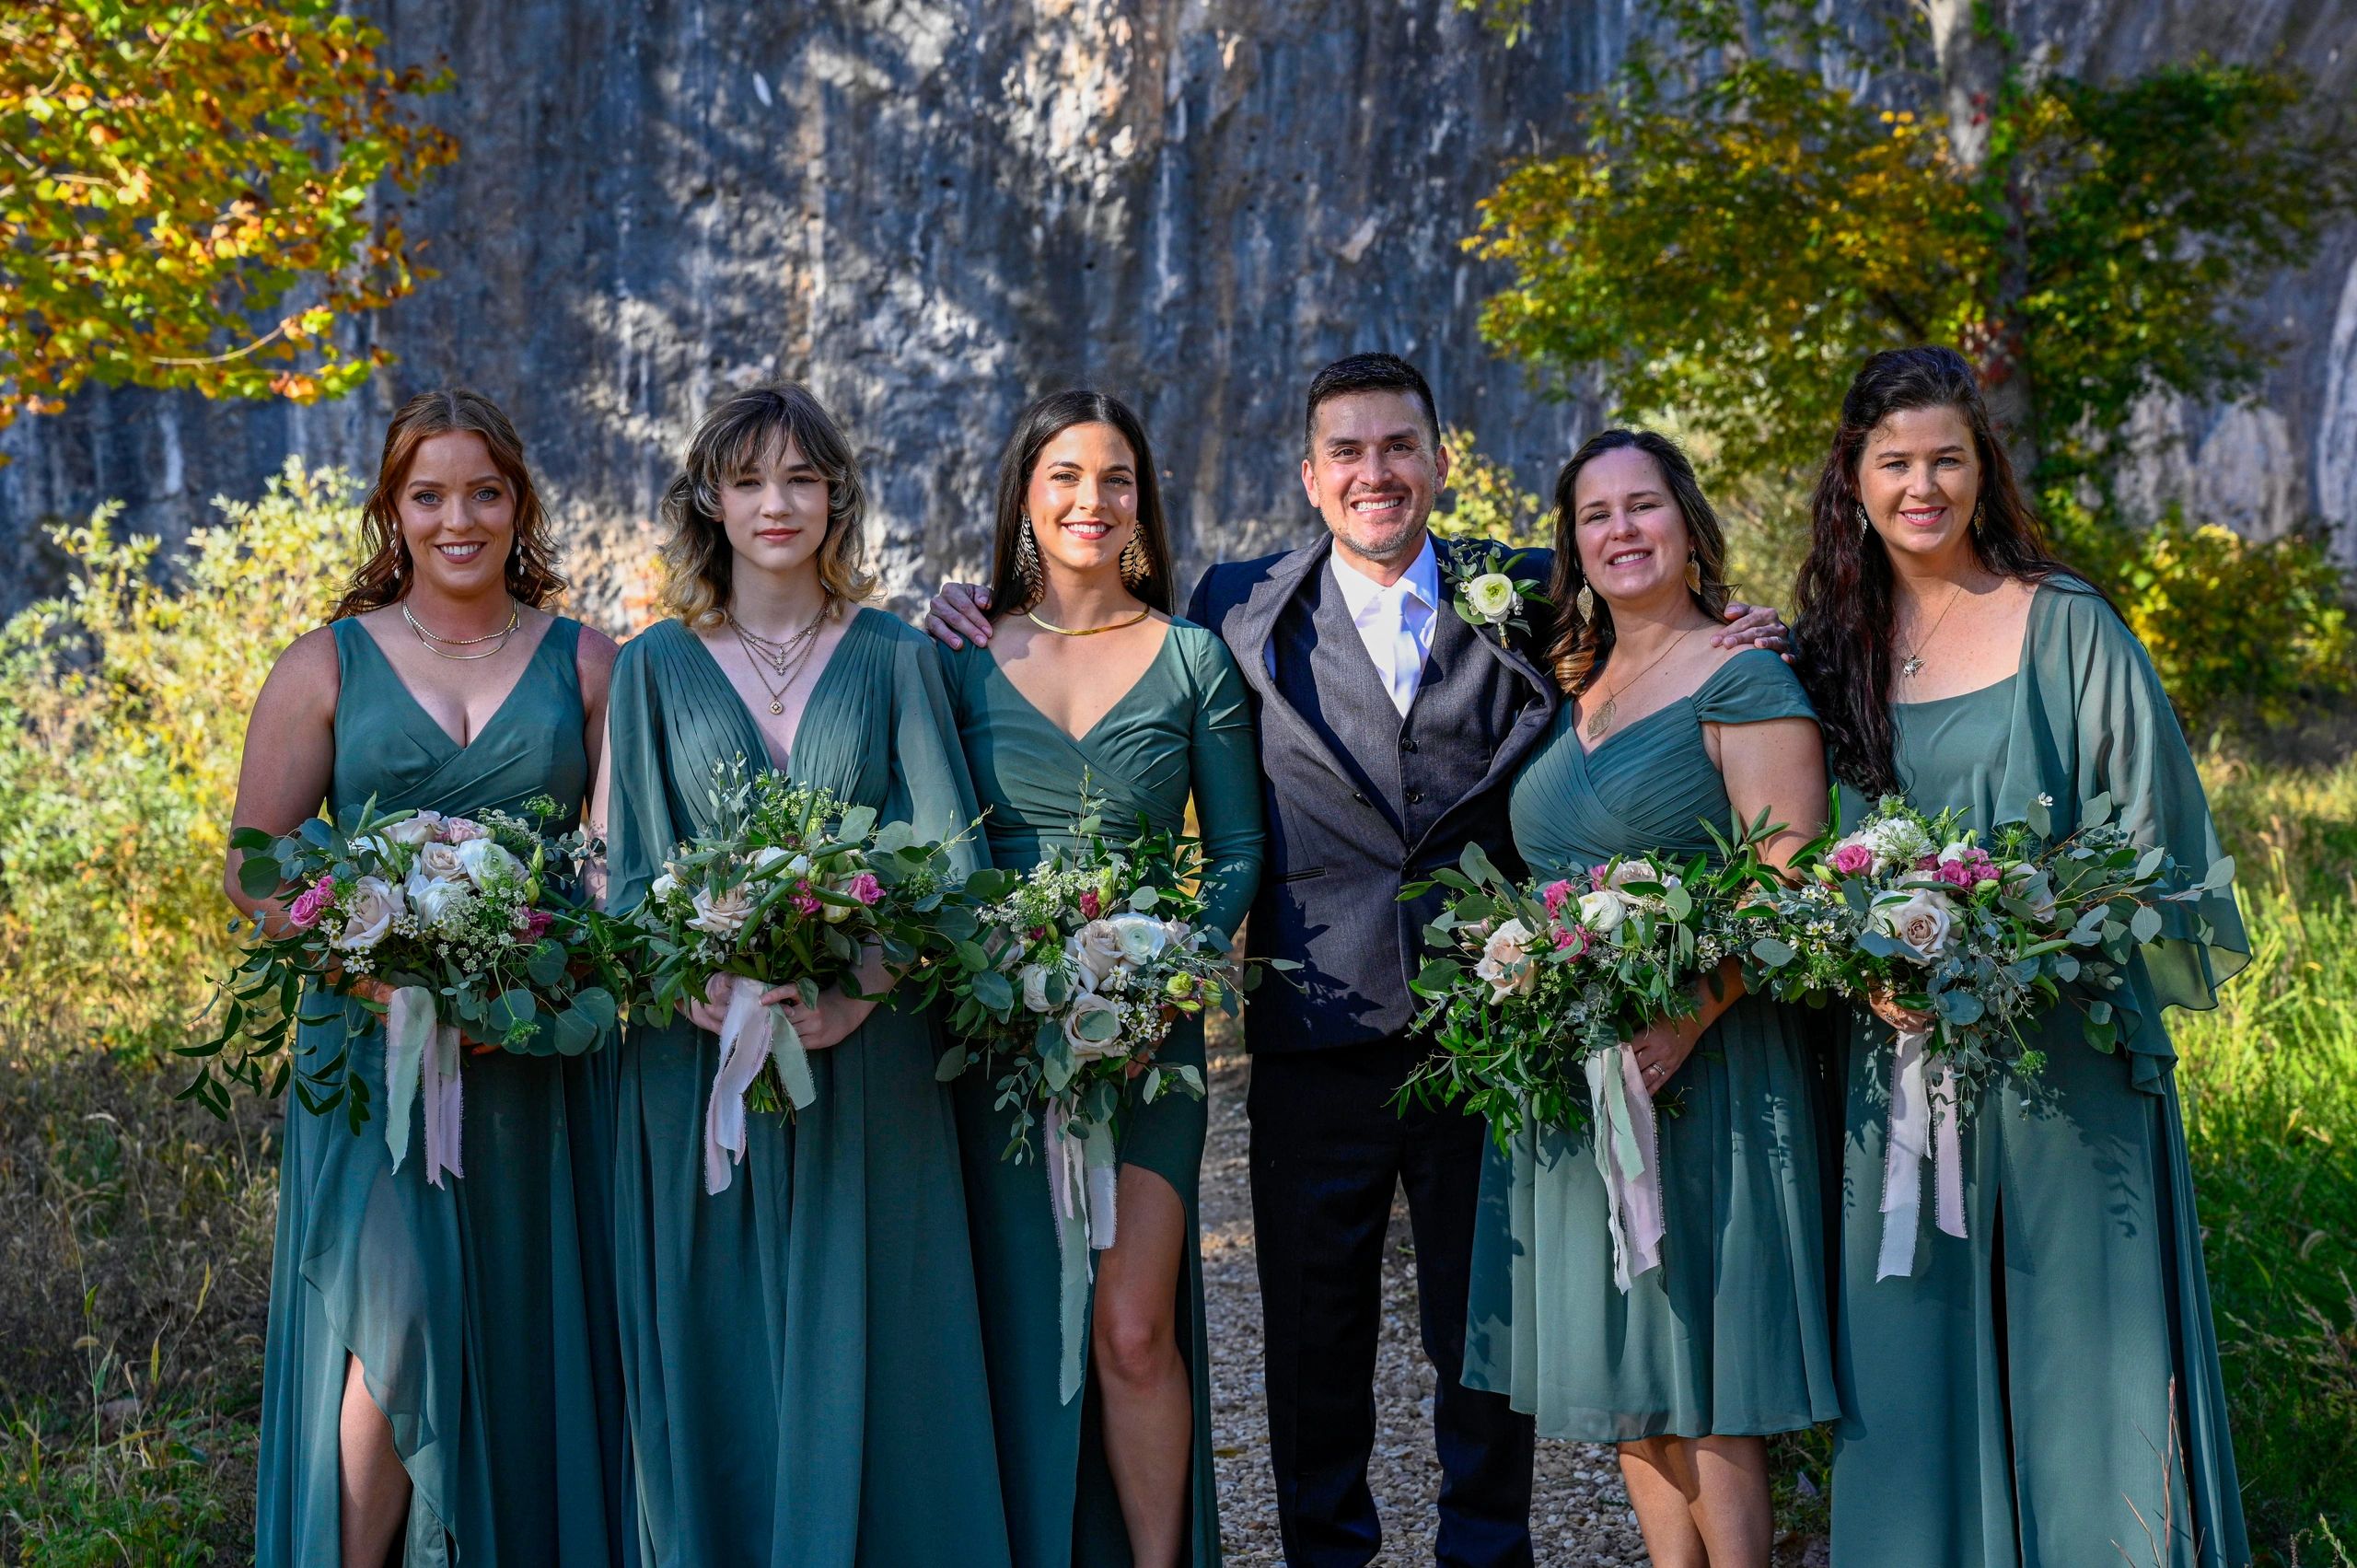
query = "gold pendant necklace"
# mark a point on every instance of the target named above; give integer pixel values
(1915, 660)
(1601, 720)
(1032, 616)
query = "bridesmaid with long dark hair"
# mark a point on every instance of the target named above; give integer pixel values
(1090, 681)
(2043, 1391)
(801, 1348)
(429, 1379)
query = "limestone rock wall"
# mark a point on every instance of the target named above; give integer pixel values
(933, 209)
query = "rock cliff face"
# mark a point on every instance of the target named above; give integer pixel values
(933, 209)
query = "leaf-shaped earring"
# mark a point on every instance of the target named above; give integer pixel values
(1134, 566)
(1027, 560)
(1693, 574)
(1864, 526)
(1584, 602)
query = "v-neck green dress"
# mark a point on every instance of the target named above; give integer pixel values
(2031, 1390)
(466, 1304)
(1728, 1336)
(801, 1352)
(1185, 728)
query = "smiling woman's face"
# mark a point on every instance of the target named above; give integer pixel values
(1083, 498)
(1918, 479)
(457, 516)
(1632, 537)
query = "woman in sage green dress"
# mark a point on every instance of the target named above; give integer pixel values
(430, 1376)
(802, 1354)
(1090, 682)
(2043, 1391)
(1720, 1334)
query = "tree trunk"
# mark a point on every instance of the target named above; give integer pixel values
(1974, 51)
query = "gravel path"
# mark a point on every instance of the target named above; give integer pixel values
(1579, 1513)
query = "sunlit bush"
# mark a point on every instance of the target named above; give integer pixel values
(122, 706)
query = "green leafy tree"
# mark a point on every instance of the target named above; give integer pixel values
(186, 195)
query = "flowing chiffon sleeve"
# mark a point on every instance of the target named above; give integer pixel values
(1225, 770)
(2098, 681)
(639, 829)
(931, 789)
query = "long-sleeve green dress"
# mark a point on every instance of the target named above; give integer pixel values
(802, 1352)
(466, 1304)
(2028, 1391)
(1184, 728)
(1729, 1335)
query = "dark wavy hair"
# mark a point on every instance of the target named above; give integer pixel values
(1844, 613)
(734, 436)
(1367, 373)
(1582, 642)
(1037, 425)
(383, 578)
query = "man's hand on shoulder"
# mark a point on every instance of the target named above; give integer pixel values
(961, 614)
(1753, 626)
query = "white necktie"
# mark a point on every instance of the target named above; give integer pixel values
(1407, 657)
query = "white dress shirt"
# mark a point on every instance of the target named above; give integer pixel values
(1395, 622)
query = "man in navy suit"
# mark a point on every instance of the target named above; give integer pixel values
(1389, 730)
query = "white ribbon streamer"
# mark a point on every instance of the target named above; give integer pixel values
(1081, 1180)
(422, 1059)
(1923, 1121)
(1628, 1159)
(750, 1033)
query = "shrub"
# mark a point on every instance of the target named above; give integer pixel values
(123, 703)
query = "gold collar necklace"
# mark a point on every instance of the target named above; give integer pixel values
(1033, 617)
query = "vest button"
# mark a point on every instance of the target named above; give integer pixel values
(1359, 795)
(1415, 797)
(1407, 743)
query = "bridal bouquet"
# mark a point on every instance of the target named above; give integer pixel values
(1065, 980)
(479, 927)
(1980, 939)
(1536, 990)
(790, 886)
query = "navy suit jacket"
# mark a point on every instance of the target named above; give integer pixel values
(1330, 892)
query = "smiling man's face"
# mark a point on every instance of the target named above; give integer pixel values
(1373, 471)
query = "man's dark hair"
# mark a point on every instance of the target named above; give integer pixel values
(1368, 373)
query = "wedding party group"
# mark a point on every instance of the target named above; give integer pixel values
(751, 1079)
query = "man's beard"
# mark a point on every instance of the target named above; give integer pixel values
(1388, 548)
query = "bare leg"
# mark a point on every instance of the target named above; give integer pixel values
(1142, 1380)
(375, 1487)
(1732, 1512)
(1659, 1472)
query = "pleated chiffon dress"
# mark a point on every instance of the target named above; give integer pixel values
(2044, 1391)
(802, 1352)
(468, 1305)
(1184, 728)
(1729, 1335)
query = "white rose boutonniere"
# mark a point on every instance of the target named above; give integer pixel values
(1484, 591)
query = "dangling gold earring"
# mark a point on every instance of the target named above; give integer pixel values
(1584, 602)
(1979, 508)
(1693, 572)
(1135, 567)
(1027, 560)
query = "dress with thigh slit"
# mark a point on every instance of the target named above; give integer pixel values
(1182, 729)
(2045, 1390)
(468, 1304)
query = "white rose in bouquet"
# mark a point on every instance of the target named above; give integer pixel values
(436, 863)
(1505, 965)
(1140, 938)
(442, 904)
(663, 887)
(1602, 911)
(1924, 922)
(1096, 949)
(1035, 987)
(1087, 1004)
(416, 830)
(486, 862)
(370, 911)
(722, 913)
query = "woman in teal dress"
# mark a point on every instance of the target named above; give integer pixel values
(1088, 681)
(802, 1354)
(2044, 1391)
(431, 1374)
(1720, 1337)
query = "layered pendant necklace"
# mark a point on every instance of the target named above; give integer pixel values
(784, 659)
(435, 643)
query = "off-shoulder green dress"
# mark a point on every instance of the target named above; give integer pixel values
(2030, 1391)
(1184, 728)
(1728, 1336)
(466, 1304)
(801, 1352)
